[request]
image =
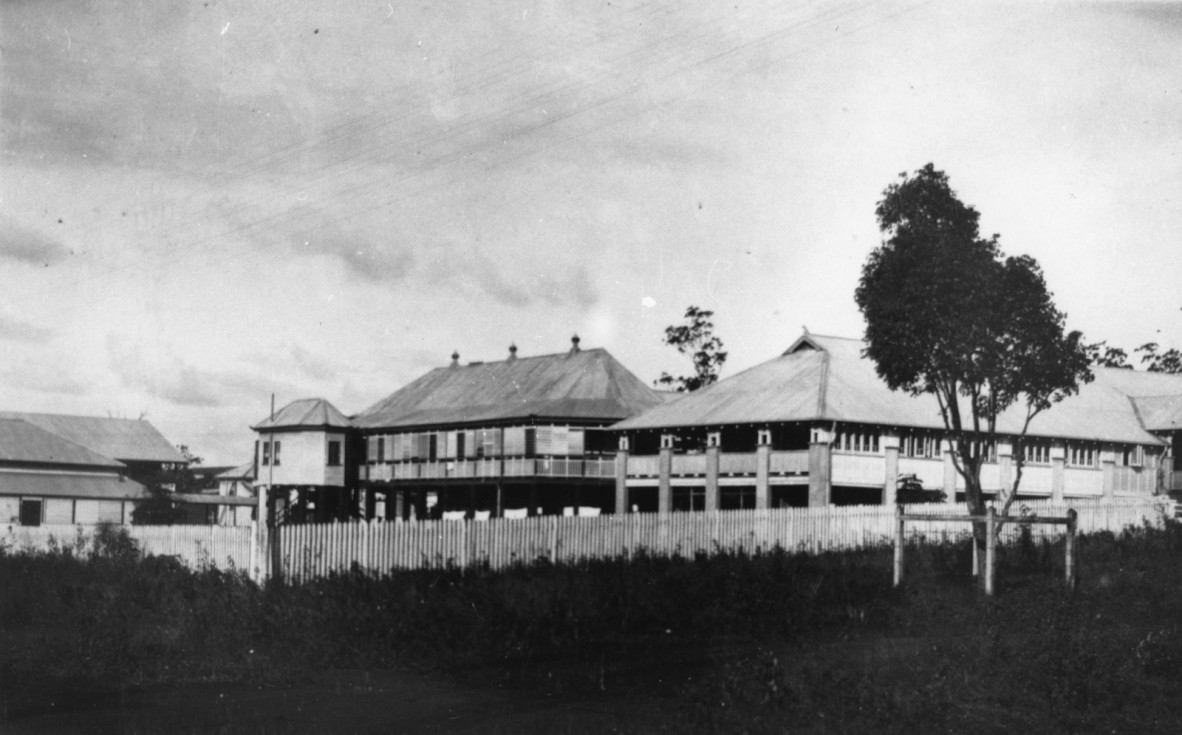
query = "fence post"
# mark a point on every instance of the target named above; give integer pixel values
(898, 545)
(990, 548)
(554, 539)
(1070, 549)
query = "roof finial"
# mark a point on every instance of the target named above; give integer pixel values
(574, 344)
(455, 358)
(512, 351)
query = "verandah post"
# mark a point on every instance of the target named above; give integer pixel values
(898, 545)
(1070, 548)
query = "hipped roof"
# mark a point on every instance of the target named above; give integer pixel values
(305, 413)
(129, 440)
(21, 441)
(824, 378)
(579, 385)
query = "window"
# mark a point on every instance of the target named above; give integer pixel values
(266, 452)
(1036, 452)
(688, 498)
(30, 512)
(380, 443)
(278, 446)
(923, 446)
(986, 450)
(1132, 456)
(1079, 455)
(863, 442)
(334, 453)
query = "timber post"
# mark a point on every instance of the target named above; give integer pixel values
(1070, 549)
(898, 545)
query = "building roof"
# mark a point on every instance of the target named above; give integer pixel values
(128, 440)
(21, 441)
(1160, 413)
(70, 485)
(586, 385)
(823, 378)
(241, 472)
(305, 413)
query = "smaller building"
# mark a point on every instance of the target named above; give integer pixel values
(47, 479)
(237, 482)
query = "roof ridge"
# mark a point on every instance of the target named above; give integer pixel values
(18, 414)
(1137, 412)
(487, 363)
(823, 384)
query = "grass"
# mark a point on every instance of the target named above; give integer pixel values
(725, 643)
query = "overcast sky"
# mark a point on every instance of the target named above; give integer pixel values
(202, 204)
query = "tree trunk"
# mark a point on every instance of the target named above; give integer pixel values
(975, 501)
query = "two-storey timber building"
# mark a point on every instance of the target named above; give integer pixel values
(817, 426)
(520, 436)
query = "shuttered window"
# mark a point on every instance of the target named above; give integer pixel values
(86, 512)
(110, 511)
(515, 441)
(59, 512)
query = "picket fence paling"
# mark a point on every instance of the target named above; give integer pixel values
(309, 551)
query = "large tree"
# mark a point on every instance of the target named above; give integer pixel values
(1169, 361)
(695, 338)
(949, 315)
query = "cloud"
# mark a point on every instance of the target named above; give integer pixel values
(159, 371)
(364, 258)
(516, 287)
(26, 245)
(33, 376)
(18, 330)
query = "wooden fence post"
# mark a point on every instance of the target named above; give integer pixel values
(898, 545)
(990, 548)
(1070, 549)
(554, 539)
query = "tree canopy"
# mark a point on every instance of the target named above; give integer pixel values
(695, 338)
(948, 314)
(1169, 361)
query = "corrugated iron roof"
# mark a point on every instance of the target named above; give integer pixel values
(305, 413)
(61, 485)
(131, 440)
(21, 441)
(824, 378)
(1160, 413)
(241, 472)
(584, 384)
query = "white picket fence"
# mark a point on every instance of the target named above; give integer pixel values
(315, 550)
(198, 547)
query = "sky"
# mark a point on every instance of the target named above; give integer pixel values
(206, 203)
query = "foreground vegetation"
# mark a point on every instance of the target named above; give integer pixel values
(727, 643)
